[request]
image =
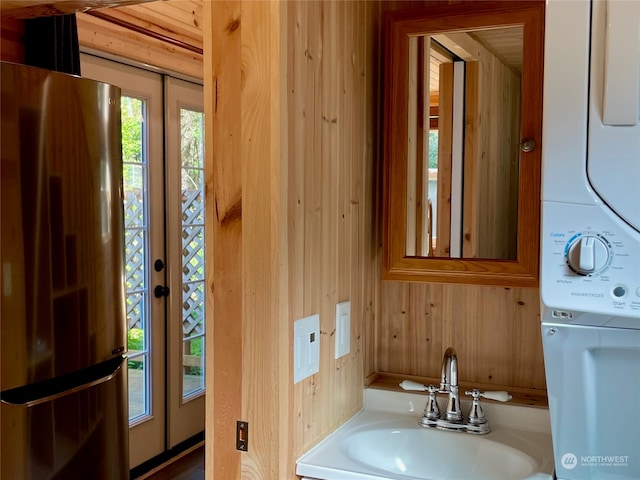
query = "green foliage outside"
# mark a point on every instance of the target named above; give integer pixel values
(191, 148)
(135, 341)
(132, 124)
(433, 149)
(196, 347)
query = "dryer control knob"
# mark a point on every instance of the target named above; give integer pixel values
(588, 255)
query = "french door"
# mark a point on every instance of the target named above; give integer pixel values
(163, 180)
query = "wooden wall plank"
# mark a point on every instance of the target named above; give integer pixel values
(333, 251)
(445, 159)
(264, 332)
(371, 75)
(496, 332)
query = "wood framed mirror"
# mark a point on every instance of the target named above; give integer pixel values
(462, 137)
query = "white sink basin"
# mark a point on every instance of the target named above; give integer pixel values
(429, 453)
(385, 441)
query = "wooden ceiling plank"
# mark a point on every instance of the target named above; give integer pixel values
(25, 9)
(146, 22)
(102, 35)
(181, 17)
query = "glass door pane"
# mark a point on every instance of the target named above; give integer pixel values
(134, 164)
(193, 300)
(184, 121)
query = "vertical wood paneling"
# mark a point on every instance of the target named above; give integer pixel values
(445, 160)
(333, 256)
(371, 76)
(495, 330)
(491, 154)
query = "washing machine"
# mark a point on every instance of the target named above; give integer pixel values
(590, 240)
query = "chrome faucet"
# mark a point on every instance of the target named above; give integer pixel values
(449, 383)
(452, 419)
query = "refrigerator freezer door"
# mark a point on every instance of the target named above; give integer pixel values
(62, 225)
(82, 433)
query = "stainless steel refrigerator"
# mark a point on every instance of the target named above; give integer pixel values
(63, 382)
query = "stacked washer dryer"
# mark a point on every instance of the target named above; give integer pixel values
(590, 258)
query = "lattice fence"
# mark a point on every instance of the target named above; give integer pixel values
(134, 243)
(192, 260)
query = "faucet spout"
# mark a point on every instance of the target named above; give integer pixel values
(449, 371)
(449, 383)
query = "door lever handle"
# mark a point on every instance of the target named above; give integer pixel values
(161, 291)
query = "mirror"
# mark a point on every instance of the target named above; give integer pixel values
(463, 87)
(462, 123)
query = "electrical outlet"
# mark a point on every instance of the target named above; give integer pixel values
(306, 347)
(343, 329)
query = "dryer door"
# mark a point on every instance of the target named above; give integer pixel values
(594, 394)
(613, 160)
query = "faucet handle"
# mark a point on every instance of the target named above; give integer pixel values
(476, 414)
(499, 395)
(431, 410)
(476, 421)
(414, 386)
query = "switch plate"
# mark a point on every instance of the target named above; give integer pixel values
(343, 329)
(306, 347)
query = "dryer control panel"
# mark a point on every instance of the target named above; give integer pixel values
(586, 266)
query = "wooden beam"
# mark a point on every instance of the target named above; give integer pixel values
(223, 230)
(248, 361)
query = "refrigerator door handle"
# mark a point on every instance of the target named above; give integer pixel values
(49, 390)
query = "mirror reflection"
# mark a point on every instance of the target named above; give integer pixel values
(464, 144)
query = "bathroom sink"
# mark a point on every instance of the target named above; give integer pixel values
(429, 453)
(385, 441)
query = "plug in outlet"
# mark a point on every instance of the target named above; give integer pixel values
(306, 347)
(343, 329)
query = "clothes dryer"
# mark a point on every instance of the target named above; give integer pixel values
(590, 241)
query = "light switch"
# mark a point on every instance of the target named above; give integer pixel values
(306, 347)
(343, 329)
